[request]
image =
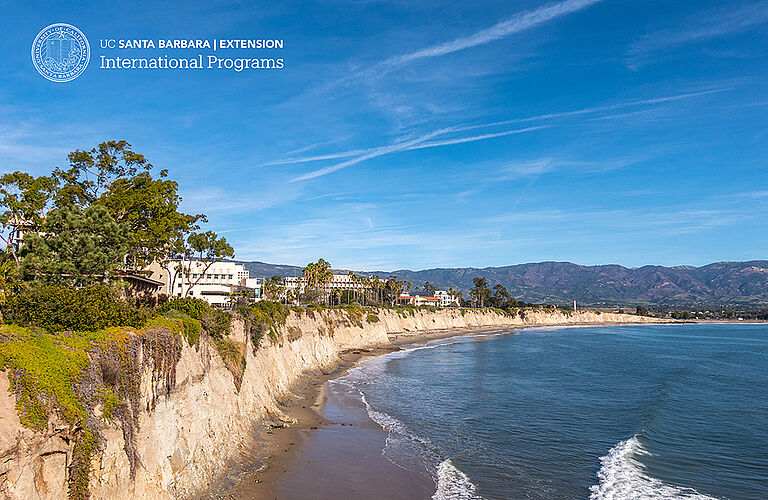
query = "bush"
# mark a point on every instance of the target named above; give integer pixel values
(192, 307)
(265, 317)
(56, 308)
(232, 354)
(192, 327)
(216, 323)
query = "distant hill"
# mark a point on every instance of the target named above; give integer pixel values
(730, 283)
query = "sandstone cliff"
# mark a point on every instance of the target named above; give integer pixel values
(189, 432)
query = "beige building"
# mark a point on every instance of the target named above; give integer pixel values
(214, 285)
(406, 299)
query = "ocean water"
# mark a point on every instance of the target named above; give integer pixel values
(614, 412)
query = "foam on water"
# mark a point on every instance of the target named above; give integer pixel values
(622, 477)
(452, 484)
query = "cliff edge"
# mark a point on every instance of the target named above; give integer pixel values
(191, 423)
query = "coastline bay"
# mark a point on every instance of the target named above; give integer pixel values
(594, 412)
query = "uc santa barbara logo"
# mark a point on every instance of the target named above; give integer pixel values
(60, 52)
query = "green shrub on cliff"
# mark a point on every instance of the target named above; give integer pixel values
(195, 313)
(44, 370)
(56, 308)
(262, 318)
(192, 328)
(216, 323)
(192, 307)
(74, 373)
(232, 354)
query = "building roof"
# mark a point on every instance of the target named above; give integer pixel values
(138, 277)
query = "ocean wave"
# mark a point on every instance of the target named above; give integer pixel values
(622, 477)
(452, 484)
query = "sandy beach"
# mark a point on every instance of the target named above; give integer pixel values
(333, 434)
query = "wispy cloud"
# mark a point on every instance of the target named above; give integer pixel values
(422, 142)
(305, 159)
(541, 166)
(367, 155)
(418, 143)
(594, 109)
(516, 24)
(703, 26)
(318, 144)
(461, 140)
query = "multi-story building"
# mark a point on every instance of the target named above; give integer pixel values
(296, 284)
(214, 285)
(446, 299)
(406, 299)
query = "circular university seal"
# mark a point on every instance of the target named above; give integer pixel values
(60, 52)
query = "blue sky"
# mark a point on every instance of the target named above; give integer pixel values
(406, 134)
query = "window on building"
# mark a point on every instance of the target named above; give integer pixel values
(215, 276)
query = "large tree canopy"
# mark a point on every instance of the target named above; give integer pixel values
(148, 208)
(23, 202)
(75, 247)
(91, 172)
(104, 211)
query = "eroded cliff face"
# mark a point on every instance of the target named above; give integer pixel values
(187, 435)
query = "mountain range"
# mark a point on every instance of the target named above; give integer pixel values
(720, 283)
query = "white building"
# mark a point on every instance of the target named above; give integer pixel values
(296, 284)
(406, 299)
(446, 299)
(441, 298)
(214, 285)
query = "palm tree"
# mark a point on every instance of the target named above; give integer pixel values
(353, 279)
(324, 276)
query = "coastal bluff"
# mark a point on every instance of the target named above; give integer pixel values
(192, 425)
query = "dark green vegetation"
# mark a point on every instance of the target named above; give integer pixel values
(104, 213)
(705, 313)
(730, 285)
(55, 308)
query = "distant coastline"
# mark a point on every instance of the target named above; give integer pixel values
(722, 289)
